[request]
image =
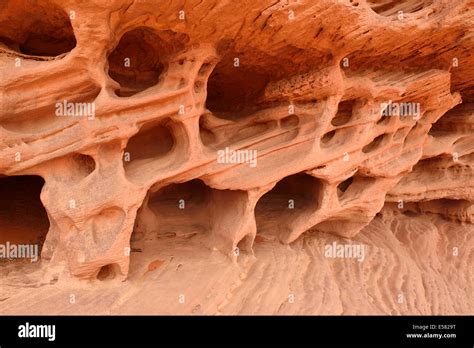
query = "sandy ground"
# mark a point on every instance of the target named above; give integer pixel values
(409, 267)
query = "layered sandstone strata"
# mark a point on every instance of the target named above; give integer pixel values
(243, 136)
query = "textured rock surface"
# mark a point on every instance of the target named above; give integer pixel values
(360, 115)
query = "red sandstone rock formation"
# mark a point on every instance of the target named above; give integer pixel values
(208, 153)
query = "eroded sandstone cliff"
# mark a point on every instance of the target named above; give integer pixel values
(204, 156)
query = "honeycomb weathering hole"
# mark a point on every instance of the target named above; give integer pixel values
(140, 57)
(153, 141)
(293, 197)
(328, 136)
(344, 113)
(54, 114)
(234, 91)
(23, 219)
(343, 186)
(245, 244)
(188, 209)
(393, 7)
(108, 272)
(242, 81)
(84, 164)
(354, 186)
(375, 144)
(182, 208)
(37, 28)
